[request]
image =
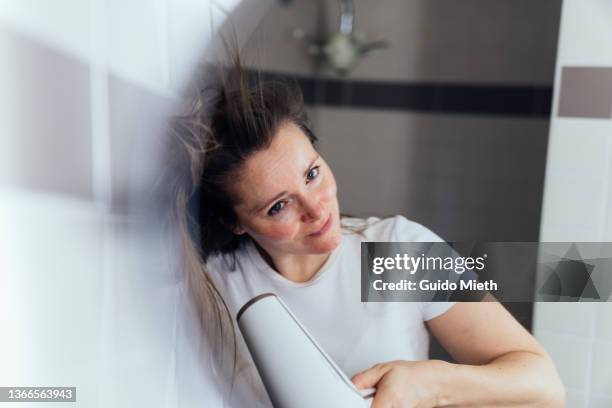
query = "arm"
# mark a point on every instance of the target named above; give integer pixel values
(501, 364)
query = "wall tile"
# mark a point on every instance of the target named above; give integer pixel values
(601, 375)
(564, 317)
(45, 116)
(63, 25)
(566, 232)
(575, 399)
(137, 42)
(586, 92)
(599, 401)
(579, 147)
(575, 188)
(601, 372)
(570, 354)
(585, 29)
(272, 46)
(140, 294)
(345, 137)
(573, 201)
(189, 33)
(137, 125)
(52, 249)
(239, 20)
(607, 236)
(604, 322)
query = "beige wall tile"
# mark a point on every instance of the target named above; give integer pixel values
(467, 41)
(463, 176)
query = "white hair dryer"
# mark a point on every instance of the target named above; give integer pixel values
(295, 370)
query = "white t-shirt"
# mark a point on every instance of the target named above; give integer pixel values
(356, 335)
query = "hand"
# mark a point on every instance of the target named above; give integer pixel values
(404, 384)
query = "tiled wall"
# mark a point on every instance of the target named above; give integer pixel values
(578, 197)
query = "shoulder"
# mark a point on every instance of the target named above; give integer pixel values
(227, 273)
(224, 267)
(392, 229)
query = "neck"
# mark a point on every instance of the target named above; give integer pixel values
(296, 268)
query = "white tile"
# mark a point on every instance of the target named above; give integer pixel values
(136, 122)
(136, 41)
(585, 33)
(603, 326)
(607, 236)
(601, 370)
(574, 399)
(570, 354)
(565, 232)
(189, 33)
(599, 401)
(61, 24)
(576, 183)
(578, 147)
(573, 201)
(52, 251)
(564, 317)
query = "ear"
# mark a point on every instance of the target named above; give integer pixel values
(238, 230)
(235, 229)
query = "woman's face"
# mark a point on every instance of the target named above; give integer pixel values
(287, 197)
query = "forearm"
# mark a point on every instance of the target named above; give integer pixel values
(514, 379)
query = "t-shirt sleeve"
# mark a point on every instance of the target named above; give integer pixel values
(405, 230)
(430, 310)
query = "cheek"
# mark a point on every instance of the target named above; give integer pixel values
(279, 231)
(329, 188)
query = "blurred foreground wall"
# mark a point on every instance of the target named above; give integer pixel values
(88, 293)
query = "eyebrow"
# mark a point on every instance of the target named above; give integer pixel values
(279, 195)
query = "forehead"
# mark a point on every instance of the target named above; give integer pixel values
(275, 169)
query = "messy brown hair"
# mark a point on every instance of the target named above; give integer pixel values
(234, 114)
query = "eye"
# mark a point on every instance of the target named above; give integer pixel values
(312, 173)
(276, 208)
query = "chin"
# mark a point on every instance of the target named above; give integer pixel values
(328, 244)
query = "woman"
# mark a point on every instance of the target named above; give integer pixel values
(262, 215)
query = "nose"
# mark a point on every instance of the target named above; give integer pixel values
(312, 209)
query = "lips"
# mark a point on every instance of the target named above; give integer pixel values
(323, 229)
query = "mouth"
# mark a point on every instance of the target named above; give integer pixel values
(323, 229)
